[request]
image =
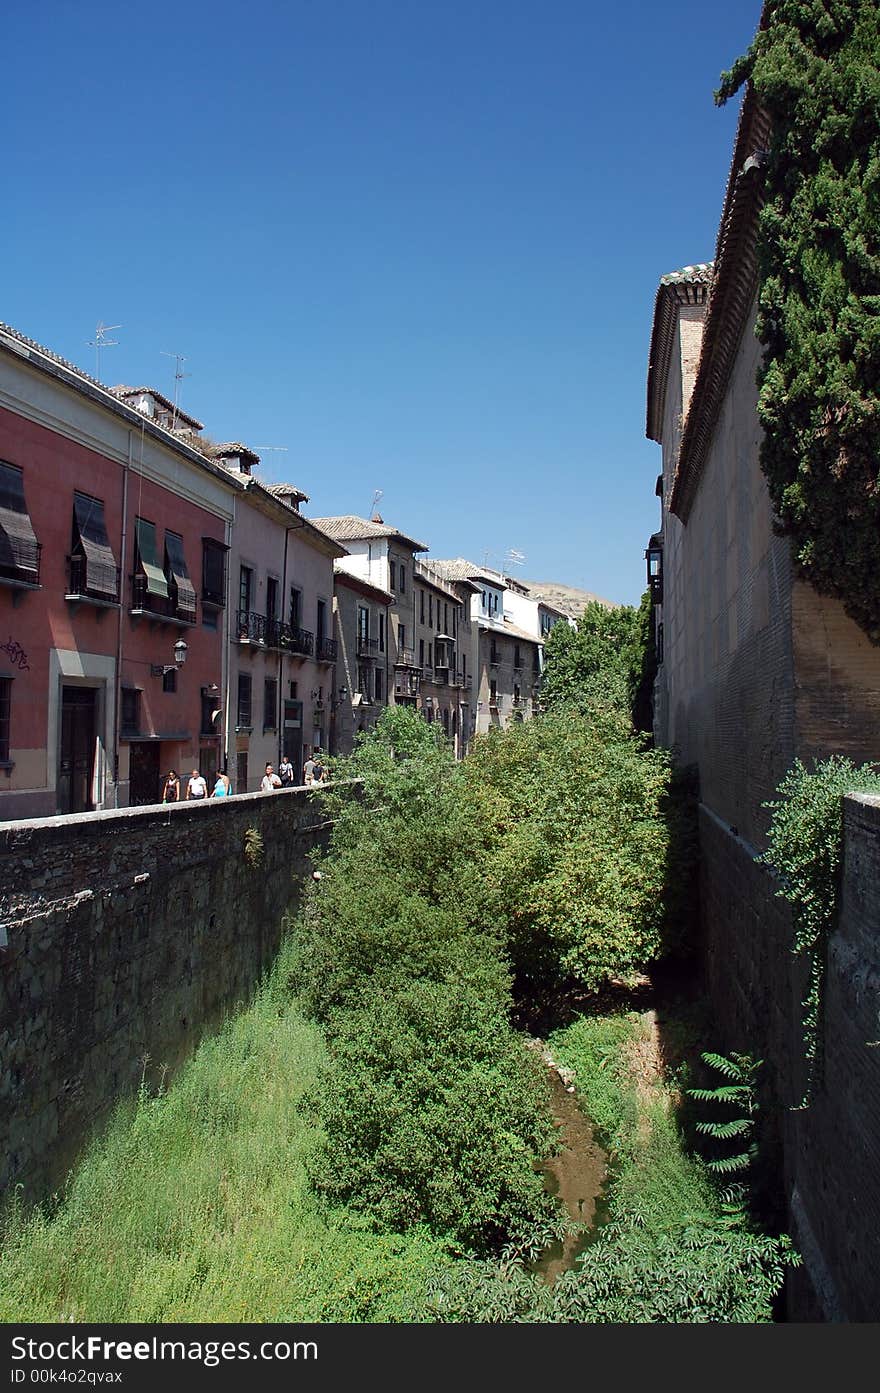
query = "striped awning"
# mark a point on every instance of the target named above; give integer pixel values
(148, 558)
(19, 549)
(186, 595)
(89, 524)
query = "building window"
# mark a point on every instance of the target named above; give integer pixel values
(430, 655)
(213, 572)
(402, 578)
(493, 692)
(245, 589)
(421, 652)
(270, 704)
(421, 605)
(271, 599)
(363, 631)
(244, 701)
(150, 581)
(392, 572)
(517, 661)
(381, 633)
(377, 677)
(431, 610)
(19, 548)
(364, 681)
(5, 709)
(401, 636)
(210, 708)
(93, 568)
(454, 622)
(320, 628)
(169, 680)
(131, 711)
(180, 587)
(295, 612)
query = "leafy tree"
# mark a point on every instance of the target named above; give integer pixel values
(606, 660)
(815, 68)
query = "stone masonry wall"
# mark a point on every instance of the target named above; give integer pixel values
(126, 933)
(831, 1148)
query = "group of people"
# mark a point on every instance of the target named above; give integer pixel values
(314, 772)
(196, 788)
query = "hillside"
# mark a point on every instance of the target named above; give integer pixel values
(566, 597)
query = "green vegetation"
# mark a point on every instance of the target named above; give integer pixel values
(196, 1206)
(362, 1142)
(815, 68)
(433, 1111)
(670, 1251)
(608, 659)
(805, 849)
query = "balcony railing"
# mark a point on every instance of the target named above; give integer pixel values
(295, 640)
(407, 685)
(24, 568)
(250, 627)
(406, 658)
(367, 647)
(326, 650)
(158, 606)
(78, 584)
(493, 657)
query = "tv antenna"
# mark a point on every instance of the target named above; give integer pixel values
(101, 341)
(179, 375)
(375, 503)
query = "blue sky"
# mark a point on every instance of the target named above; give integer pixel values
(417, 244)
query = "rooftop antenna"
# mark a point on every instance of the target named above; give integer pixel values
(514, 557)
(179, 375)
(375, 503)
(101, 341)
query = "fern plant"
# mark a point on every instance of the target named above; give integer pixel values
(739, 1093)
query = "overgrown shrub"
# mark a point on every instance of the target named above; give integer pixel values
(805, 849)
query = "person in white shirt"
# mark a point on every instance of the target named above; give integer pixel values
(196, 788)
(270, 781)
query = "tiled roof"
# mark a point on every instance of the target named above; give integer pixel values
(351, 528)
(123, 392)
(460, 569)
(699, 274)
(235, 447)
(280, 490)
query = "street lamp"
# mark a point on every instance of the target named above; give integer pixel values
(180, 652)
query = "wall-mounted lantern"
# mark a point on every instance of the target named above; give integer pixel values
(180, 652)
(654, 559)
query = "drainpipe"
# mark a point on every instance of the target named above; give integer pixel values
(117, 695)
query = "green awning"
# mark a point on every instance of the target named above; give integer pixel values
(148, 557)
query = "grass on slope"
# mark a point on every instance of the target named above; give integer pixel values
(195, 1204)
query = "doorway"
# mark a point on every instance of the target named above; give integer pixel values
(143, 773)
(78, 735)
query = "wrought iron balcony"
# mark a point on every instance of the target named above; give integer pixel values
(406, 658)
(78, 584)
(159, 606)
(23, 569)
(367, 647)
(326, 650)
(250, 627)
(298, 641)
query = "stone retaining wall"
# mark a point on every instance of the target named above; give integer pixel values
(125, 934)
(831, 1148)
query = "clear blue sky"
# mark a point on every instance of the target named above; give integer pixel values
(416, 243)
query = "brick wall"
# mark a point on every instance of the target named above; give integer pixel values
(127, 933)
(830, 1148)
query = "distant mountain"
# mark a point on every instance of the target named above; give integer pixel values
(565, 597)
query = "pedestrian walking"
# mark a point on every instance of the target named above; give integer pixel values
(221, 787)
(270, 781)
(196, 788)
(285, 771)
(171, 788)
